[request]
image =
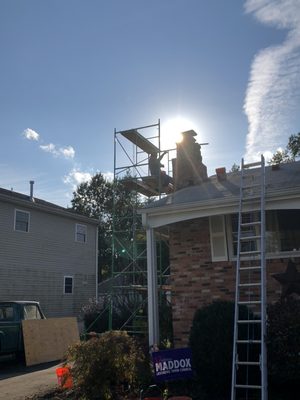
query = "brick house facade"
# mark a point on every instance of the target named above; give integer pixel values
(202, 258)
(197, 281)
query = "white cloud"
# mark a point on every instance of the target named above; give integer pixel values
(272, 98)
(30, 134)
(49, 148)
(109, 176)
(76, 177)
(66, 152)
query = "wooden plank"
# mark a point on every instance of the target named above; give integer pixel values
(136, 138)
(48, 339)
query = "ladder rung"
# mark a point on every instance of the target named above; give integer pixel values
(250, 165)
(249, 302)
(249, 341)
(248, 386)
(249, 321)
(250, 223)
(250, 268)
(249, 284)
(248, 363)
(255, 185)
(245, 238)
(248, 253)
(251, 198)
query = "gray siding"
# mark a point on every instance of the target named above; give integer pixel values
(33, 264)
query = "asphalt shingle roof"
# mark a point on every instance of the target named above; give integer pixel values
(285, 178)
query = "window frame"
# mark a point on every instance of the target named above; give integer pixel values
(76, 233)
(15, 221)
(64, 287)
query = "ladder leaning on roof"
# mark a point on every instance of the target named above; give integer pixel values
(249, 363)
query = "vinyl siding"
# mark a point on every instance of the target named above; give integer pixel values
(33, 264)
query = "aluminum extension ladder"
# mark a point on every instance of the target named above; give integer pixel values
(249, 363)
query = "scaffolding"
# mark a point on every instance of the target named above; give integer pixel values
(128, 290)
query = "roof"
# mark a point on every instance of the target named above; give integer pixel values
(19, 302)
(24, 200)
(216, 196)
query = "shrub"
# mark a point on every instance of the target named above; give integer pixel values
(95, 314)
(283, 343)
(103, 364)
(211, 341)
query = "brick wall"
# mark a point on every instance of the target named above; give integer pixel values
(197, 281)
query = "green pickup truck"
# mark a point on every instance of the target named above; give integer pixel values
(11, 315)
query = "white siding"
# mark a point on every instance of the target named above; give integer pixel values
(33, 265)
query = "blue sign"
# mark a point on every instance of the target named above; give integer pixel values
(172, 364)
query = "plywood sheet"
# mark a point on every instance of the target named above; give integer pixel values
(48, 339)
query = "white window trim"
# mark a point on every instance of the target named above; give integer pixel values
(79, 241)
(64, 287)
(25, 212)
(221, 234)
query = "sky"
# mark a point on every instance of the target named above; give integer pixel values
(73, 71)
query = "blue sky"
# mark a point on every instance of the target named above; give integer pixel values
(71, 71)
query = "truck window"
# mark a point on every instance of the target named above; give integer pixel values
(31, 311)
(6, 313)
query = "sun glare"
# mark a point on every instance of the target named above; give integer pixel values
(171, 131)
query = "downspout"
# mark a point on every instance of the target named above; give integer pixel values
(153, 314)
(97, 251)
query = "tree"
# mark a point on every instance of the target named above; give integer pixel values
(290, 153)
(113, 205)
(235, 168)
(294, 145)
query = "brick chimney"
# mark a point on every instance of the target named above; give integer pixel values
(188, 169)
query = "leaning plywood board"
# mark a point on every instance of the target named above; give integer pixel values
(48, 339)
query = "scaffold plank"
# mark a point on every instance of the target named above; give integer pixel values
(136, 138)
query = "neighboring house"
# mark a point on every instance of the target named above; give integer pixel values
(202, 219)
(47, 254)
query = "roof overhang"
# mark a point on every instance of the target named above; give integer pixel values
(155, 217)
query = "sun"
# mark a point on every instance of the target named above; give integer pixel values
(170, 132)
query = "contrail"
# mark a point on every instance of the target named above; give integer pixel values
(273, 94)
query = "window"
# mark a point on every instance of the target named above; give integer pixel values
(247, 231)
(22, 221)
(218, 238)
(6, 313)
(31, 311)
(282, 231)
(68, 285)
(81, 233)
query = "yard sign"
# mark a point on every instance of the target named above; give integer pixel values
(172, 364)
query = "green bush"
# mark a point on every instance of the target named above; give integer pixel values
(103, 365)
(211, 341)
(283, 345)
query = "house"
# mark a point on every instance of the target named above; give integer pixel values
(47, 254)
(201, 216)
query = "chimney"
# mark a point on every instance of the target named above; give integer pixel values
(31, 190)
(188, 168)
(221, 173)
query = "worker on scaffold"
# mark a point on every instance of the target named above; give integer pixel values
(155, 166)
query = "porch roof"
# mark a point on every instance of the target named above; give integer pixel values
(216, 197)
